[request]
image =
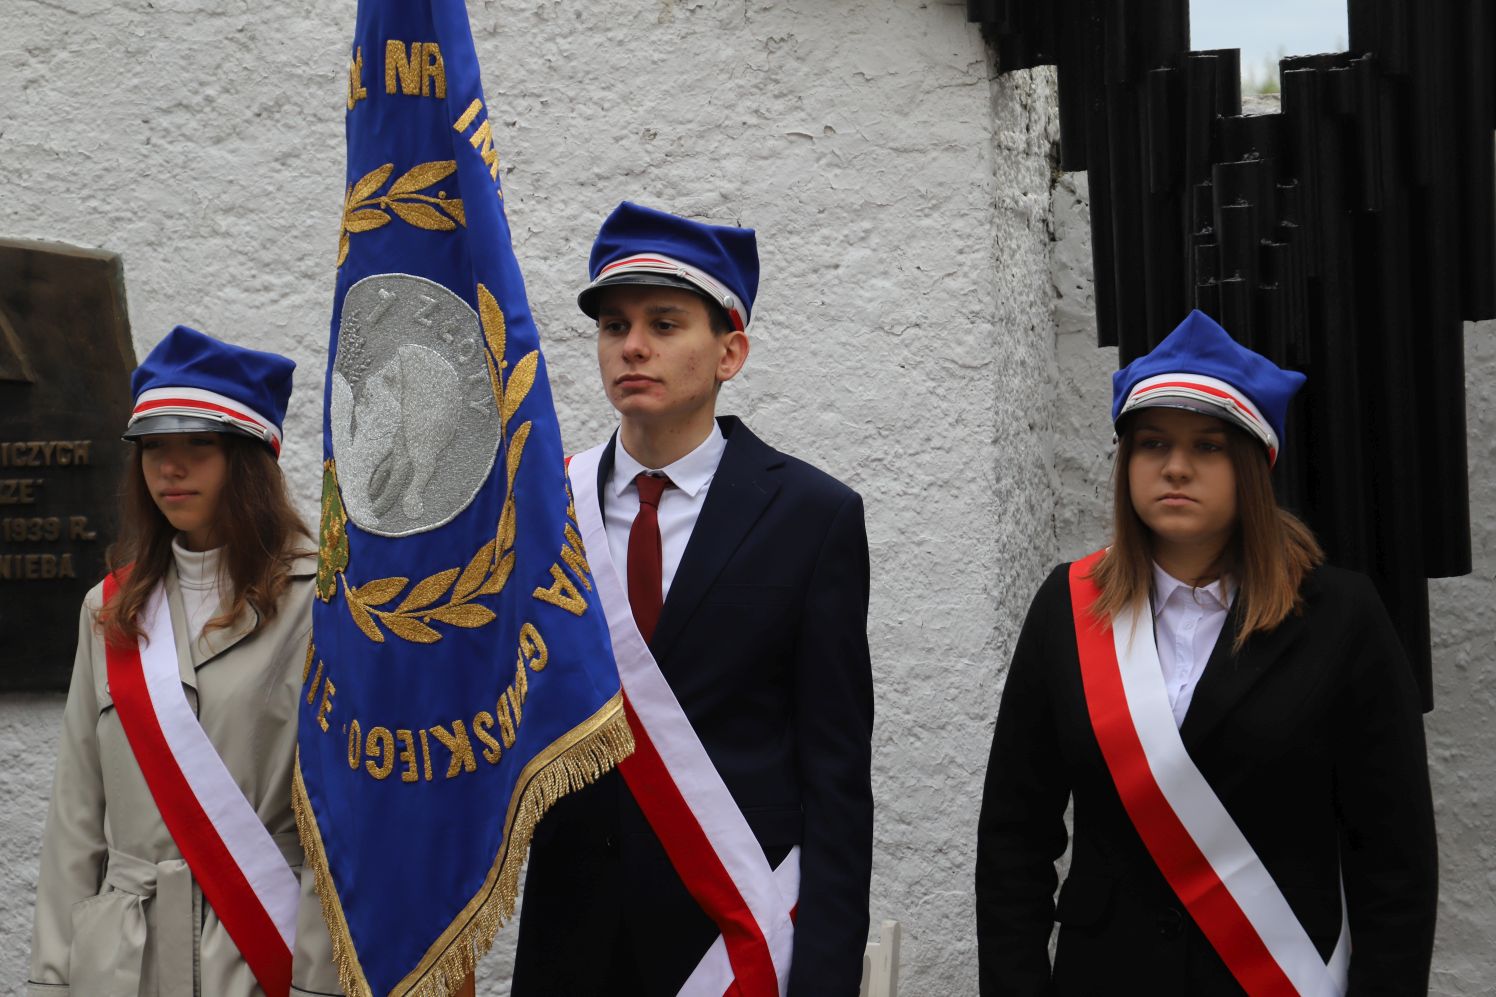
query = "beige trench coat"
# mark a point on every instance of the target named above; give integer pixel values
(118, 913)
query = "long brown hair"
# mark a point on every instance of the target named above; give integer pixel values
(1268, 555)
(259, 526)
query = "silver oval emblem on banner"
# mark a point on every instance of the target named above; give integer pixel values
(415, 426)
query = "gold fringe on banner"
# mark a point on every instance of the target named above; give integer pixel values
(573, 761)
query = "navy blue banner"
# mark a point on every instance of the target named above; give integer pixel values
(460, 677)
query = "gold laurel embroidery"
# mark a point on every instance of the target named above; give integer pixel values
(488, 570)
(364, 212)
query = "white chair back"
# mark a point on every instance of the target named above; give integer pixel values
(880, 963)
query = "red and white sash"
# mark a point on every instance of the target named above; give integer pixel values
(1193, 839)
(684, 799)
(233, 858)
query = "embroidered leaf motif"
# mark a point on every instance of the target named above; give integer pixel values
(363, 211)
(453, 206)
(469, 615)
(428, 591)
(494, 327)
(380, 591)
(423, 176)
(364, 221)
(371, 182)
(500, 577)
(361, 615)
(422, 216)
(473, 575)
(521, 379)
(506, 525)
(516, 451)
(411, 629)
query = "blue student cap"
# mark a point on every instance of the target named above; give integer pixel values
(639, 245)
(193, 383)
(1200, 367)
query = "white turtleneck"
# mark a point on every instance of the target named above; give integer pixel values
(197, 575)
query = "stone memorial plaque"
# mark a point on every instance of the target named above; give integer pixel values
(65, 362)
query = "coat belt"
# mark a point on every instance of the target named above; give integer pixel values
(170, 884)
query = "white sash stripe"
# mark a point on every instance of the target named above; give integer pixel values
(713, 974)
(1211, 826)
(236, 822)
(670, 731)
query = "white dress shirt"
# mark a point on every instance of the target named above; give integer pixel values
(1186, 624)
(198, 579)
(691, 476)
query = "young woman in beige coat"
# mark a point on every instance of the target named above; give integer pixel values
(206, 519)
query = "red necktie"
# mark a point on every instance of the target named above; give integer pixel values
(646, 567)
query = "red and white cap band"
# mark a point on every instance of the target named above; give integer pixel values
(737, 312)
(1209, 395)
(199, 403)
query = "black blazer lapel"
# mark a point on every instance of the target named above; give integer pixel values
(1229, 676)
(740, 491)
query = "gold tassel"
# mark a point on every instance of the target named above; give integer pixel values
(580, 758)
(350, 974)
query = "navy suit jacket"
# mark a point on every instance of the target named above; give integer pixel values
(763, 638)
(1311, 737)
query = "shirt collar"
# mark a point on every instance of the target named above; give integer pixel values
(1217, 595)
(690, 474)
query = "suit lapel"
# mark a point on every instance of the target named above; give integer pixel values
(1229, 677)
(741, 489)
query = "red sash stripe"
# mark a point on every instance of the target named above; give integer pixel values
(1174, 851)
(697, 863)
(216, 872)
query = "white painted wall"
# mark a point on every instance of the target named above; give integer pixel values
(918, 333)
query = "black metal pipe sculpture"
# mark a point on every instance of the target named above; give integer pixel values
(1348, 236)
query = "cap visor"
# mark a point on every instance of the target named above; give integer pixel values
(588, 300)
(154, 425)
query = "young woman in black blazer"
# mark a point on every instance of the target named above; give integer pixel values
(1273, 830)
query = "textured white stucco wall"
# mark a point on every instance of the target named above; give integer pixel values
(901, 336)
(1461, 730)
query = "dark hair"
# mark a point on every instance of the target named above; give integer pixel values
(259, 526)
(1269, 553)
(717, 316)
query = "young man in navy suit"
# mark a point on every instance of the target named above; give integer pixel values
(735, 846)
